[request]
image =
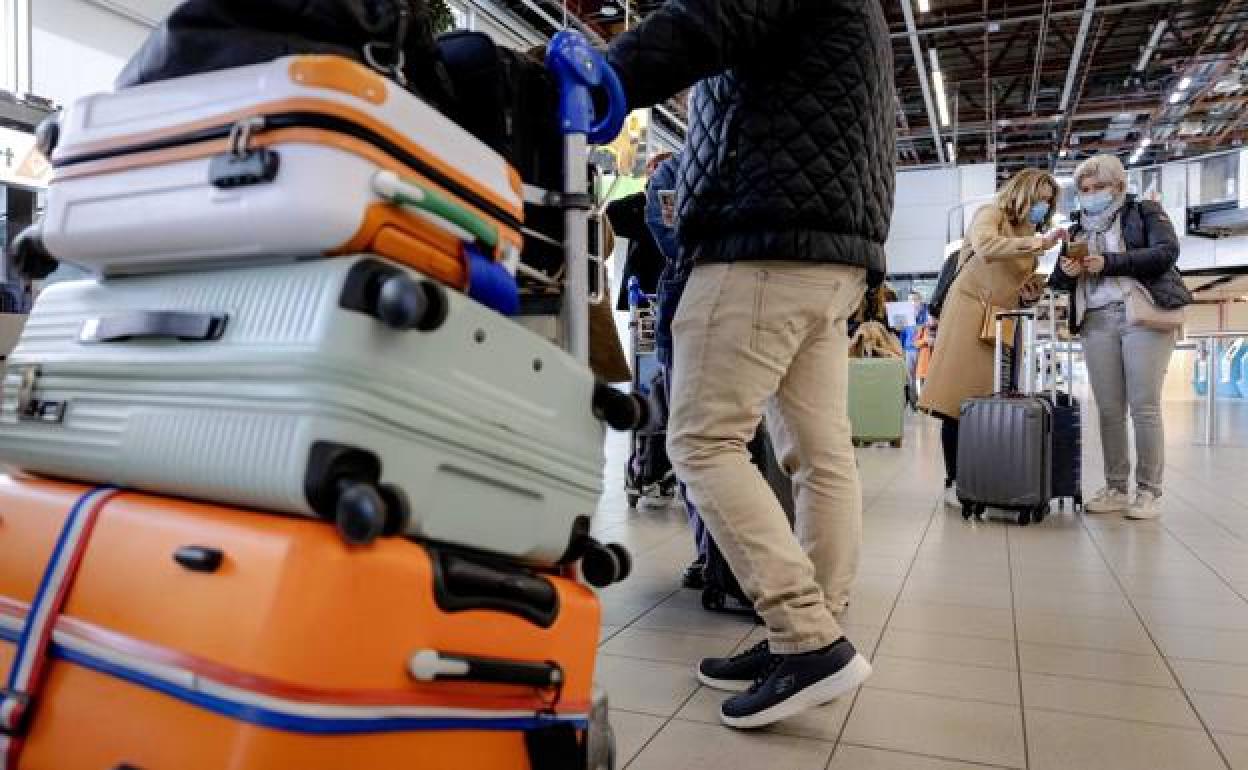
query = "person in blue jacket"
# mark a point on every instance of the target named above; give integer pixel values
(661, 219)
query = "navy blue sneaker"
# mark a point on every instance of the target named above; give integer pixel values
(735, 674)
(791, 684)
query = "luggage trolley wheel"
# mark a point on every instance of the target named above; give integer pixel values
(713, 599)
(633, 499)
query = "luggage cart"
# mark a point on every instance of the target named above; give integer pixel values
(649, 475)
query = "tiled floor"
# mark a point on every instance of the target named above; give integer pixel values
(1078, 644)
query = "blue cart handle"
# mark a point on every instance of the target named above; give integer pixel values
(578, 69)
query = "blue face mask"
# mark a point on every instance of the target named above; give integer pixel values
(1096, 203)
(1039, 210)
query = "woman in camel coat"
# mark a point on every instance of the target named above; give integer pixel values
(998, 271)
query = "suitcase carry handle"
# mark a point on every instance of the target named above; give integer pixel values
(461, 583)
(155, 324)
(405, 193)
(435, 666)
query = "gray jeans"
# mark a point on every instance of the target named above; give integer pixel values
(1127, 366)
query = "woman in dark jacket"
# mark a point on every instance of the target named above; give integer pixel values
(1122, 254)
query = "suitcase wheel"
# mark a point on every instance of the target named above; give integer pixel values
(363, 512)
(633, 499)
(603, 565)
(1024, 517)
(968, 511)
(895, 443)
(406, 304)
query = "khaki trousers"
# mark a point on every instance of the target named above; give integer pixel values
(770, 337)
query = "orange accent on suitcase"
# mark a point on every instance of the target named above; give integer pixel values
(339, 74)
(64, 154)
(292, 613)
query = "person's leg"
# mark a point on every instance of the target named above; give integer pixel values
(1102, 350)
(740, 331)
(736, 332)
(1146, 353)
(810, 428)
(949, 446)
(912, 383)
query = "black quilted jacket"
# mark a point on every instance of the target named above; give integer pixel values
(1151, 251)
(790, 153)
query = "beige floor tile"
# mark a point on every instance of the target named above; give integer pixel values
(632, 731)
(1159, 705)
(985, 595)
(1224, 616)
(667, 646)
(1203, 644)
(1223, 713)
(645, 686)
(993, 685)
(996, 653)
(823, 723)
(860, 758)
(1235, 748)
(685, 745)
(1095, 664)
(1078, 742)
(1224, 678)
(606, 632)
(1112, 634)
(953, 619)
(921, 724)
(675, 617)
(1100, 605)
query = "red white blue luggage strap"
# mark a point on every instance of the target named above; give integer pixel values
(30, 661)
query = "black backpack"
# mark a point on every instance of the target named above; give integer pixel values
(392, 36)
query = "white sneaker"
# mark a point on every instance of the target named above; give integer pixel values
(1146, 506)
(951, 497)
(1108, 500)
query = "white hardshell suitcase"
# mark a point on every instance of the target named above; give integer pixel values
(351, 389)
(270, 162)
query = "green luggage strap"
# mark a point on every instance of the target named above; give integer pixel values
(409, 194)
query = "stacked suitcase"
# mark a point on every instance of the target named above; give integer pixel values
(300, 311)
(1021, 448)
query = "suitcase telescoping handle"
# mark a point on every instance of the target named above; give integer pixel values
(1020, 361)
(155, 324)
(580, 72)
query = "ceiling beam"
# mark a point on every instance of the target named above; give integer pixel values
(1011, 20)
(921, 68)
(1073, 70)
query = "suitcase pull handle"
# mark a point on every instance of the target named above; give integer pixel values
(155, 324)
(434, 666)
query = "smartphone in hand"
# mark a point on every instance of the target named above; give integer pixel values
(1076, 250)
(667, 199)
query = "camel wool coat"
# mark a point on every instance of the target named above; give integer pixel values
(998, 258)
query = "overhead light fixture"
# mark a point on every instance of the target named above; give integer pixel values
(1147, 53)
(925, 6)
(1145, 141)
(1185, 83)
(1063, 153)
(938, 80)
(953, 154)
(1176, 97)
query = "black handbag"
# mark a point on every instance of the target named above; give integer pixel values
(948, 274)
(395, 37)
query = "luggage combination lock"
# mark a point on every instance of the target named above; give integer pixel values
(244, 165)
(32, 409)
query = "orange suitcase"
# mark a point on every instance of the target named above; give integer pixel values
(194, 637)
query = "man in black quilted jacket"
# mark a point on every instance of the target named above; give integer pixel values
(784, 198)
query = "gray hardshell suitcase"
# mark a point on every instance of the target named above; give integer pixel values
(1005, 441)
(351, 389)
